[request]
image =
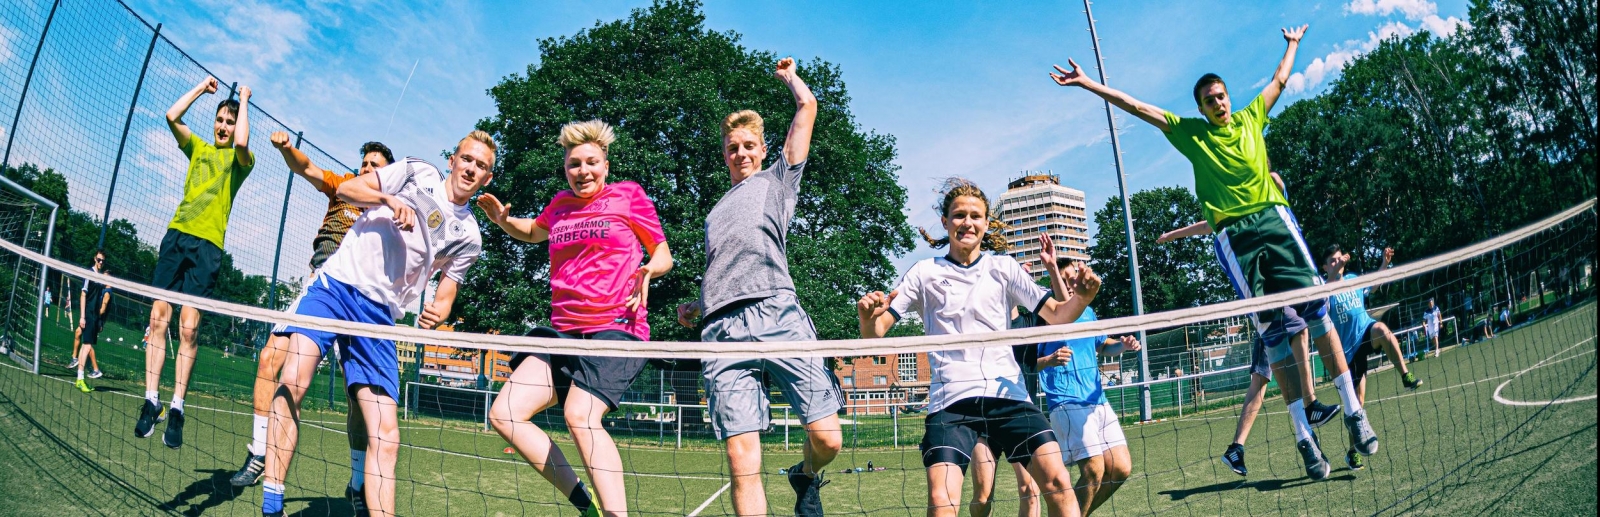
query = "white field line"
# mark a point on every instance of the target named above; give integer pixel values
(713, 497)
(1509, 402)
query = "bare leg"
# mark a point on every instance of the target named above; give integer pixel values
(944, 489)
(267, 367)
(355, 425)
(1332, 353)
(1055, 483)
(824, 439)
(1091, 471)
(383, 446)
(744, 460)
(284, 430)
(982, 470)
(1302, 360)
(525, 394)
(585, 413)
(1116, 466)
(1379, 333)
(188, 330)
(1252, 406)
(93, 359)
(84, 352)
(155, 352)
(1027, 492)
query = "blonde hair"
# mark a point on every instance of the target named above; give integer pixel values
(994, 238)
(587, 132)
(742, 119)
(484, 138)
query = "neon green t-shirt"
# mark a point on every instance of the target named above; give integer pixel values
(1231, 176)
(213, 179)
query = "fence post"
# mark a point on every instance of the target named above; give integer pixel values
(786, 429)
(486, 403)
(894, 413)
(122, 144)
(283, 220)
(680, 427)
(21, 98)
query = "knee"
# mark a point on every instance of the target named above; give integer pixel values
(1027, 490)
(1117, 473)
(830, 442)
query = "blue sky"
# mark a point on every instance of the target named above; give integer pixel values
(962, 86)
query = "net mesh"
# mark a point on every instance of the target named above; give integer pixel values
(1505, 415)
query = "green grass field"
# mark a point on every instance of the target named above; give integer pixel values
(1478, 438)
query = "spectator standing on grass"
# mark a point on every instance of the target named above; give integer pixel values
(191, 255)
(96, 300)
(1430, 326)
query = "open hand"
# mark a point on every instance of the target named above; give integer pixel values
(1293, 35)
(1074, 77)
(874, 304)
(280, 139)
(641, 289)
(1047, 252)
(492, 208)
(1130, 344)
(1082, 280)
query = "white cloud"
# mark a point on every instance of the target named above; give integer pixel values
(257, 36)
(6, 35)
(1413, 10)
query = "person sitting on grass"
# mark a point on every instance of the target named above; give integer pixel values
(191, 255)
(980, 392)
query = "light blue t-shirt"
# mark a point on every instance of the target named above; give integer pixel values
(1350, 317)
(1078, 381)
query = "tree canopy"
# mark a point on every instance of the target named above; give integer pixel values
(1174, 275)
(664, 82)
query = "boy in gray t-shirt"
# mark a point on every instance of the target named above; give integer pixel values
(747, 295)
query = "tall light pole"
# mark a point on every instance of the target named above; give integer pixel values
(1127, 221)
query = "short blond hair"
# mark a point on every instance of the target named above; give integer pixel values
(484, 138)
(742, 119)
(587, 132)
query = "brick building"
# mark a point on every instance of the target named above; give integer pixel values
(871, 383)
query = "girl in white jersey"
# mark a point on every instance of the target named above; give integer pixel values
(980, 391)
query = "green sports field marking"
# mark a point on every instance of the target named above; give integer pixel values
(713, 497)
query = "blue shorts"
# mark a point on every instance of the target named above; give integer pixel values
(373, 362)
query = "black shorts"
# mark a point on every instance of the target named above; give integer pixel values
(1358, 364)
(1012, 427)
(187, 264)
(604, 377)
(92, 324)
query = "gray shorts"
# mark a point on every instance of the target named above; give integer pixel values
(738, 395)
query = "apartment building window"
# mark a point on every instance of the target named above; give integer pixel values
(878, 380)
(906, 366)
(848, 380)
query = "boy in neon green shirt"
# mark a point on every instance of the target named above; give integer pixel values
(1255, 231)
(191, 252)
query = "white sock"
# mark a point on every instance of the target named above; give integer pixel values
(1297, 414)
(153, 396)
(358, 467)
(80, 373)
(258, 435)
(1347, 393)
(177, 404)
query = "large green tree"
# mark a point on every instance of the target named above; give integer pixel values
(1175, 275)
(665, 82)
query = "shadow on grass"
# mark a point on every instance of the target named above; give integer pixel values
(324, 507)
(1269, 485)
(214, 488)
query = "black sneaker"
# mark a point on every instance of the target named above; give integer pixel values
(1410, 381)
(250, 473)
(174, 436)
(358, 500)
(274, 514)
(1234, 459)
(1318, 413)
(1316, 464)
(807, 491)
(149, 414)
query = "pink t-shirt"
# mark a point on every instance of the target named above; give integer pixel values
(596, 246)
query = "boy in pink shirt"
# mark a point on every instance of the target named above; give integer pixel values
(598, 237)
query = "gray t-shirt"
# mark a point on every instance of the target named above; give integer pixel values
(747, 236)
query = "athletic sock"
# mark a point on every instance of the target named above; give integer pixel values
(154, 397)
(580, 498)
(271, 498)
(80, 373)
(177, 404)
(358, 467)
(1302, 426)
(258, 435)
(1347, 393)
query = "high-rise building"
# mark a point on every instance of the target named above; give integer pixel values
(1038, 203)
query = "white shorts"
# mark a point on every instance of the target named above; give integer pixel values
(1086, 431)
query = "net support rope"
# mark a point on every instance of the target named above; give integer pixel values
(821, 348)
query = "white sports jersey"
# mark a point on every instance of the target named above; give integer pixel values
(391, 266)
(964, 300)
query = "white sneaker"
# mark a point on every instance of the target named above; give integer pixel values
(73, 364)
(95, 374)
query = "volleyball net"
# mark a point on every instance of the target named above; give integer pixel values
(1510, 369)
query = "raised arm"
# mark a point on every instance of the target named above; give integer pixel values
(1083, 283)
(1388, 256)
(873, 312)
(519, 228)
(297, 161)
(797, 146)
(241, 131)
(1047, 258)
(438, 310)
(1145, 111)
(1198, 228)
(1280, 77)
(180, 132)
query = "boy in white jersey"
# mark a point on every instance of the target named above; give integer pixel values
(979, 391)
(418, 221)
